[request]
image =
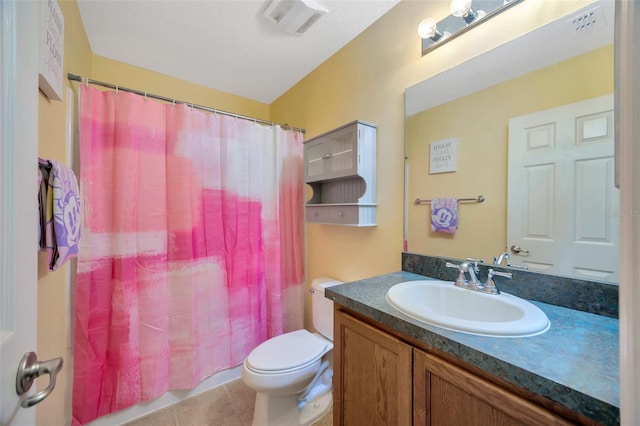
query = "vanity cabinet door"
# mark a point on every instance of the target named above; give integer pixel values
(372, 375)
(445, 394)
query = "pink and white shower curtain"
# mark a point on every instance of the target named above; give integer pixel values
(192, 248)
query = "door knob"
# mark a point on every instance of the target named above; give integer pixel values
(517, 250)
(30, 369)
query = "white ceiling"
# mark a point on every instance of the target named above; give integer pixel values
(224, 44)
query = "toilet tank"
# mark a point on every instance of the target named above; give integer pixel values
(321, 307)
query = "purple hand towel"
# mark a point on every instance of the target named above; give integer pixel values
(59, 212)
(444, 215)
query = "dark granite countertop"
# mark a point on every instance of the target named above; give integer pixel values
(575, 363)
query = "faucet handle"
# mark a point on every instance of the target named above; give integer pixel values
(475, 262)
(500, 274)
(451, 265)
(461, 281)
(462, 267)
(490, 286)
(525, 267)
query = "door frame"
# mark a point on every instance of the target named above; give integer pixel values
(627, 98)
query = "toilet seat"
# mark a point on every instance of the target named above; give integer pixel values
(287, 352)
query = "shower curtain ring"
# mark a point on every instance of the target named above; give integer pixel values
(116, 89)
(145, 96)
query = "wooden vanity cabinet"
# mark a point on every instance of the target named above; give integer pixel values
(371, 376)
(379, 379)
(445, 394)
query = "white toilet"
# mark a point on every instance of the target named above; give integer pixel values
(289, 372)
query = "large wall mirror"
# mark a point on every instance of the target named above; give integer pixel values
(529, 126)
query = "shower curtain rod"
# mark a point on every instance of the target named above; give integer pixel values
(73, 77)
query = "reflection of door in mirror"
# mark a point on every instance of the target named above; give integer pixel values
(561, 194)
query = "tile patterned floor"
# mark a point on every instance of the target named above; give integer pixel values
(228, 405)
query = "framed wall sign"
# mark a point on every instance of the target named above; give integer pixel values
(51, 50)
(443, 155)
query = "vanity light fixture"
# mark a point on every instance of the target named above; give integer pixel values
(428, 28)
(465, 14)
(462, 9)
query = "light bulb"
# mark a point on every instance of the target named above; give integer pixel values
(427, 28)
(460, 8)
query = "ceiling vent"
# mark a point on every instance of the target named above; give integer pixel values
(587, 21)
(294, 16)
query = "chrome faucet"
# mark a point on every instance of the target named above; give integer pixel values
(497, 260)
(490, 286)
(466, 268)
(500, 258)
(472, 283)
(473, 269)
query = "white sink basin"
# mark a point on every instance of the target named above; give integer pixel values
(443, 304)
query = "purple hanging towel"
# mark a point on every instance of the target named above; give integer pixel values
(59, 203)
(444, 215)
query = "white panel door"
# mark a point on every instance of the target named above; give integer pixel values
(18, 198)
(563, 207)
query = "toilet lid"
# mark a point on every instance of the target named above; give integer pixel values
(289, 350)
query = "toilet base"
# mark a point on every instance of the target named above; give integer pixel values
(283, 410)
(314, 411)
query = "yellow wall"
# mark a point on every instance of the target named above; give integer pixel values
(362, 81)
(54, 338)
(366, 80)
(479, 122)
(122, 74)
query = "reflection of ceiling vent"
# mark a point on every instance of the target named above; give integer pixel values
(587, 21)
(294, 16)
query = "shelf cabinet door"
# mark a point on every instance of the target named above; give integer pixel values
(332, 156)
(343, 152)
(372, 375)
(316, 154)
(445, 394)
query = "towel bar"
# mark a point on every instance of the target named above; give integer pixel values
(478, 199)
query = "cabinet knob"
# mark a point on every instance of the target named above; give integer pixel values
(340, 214)
(326, 156)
